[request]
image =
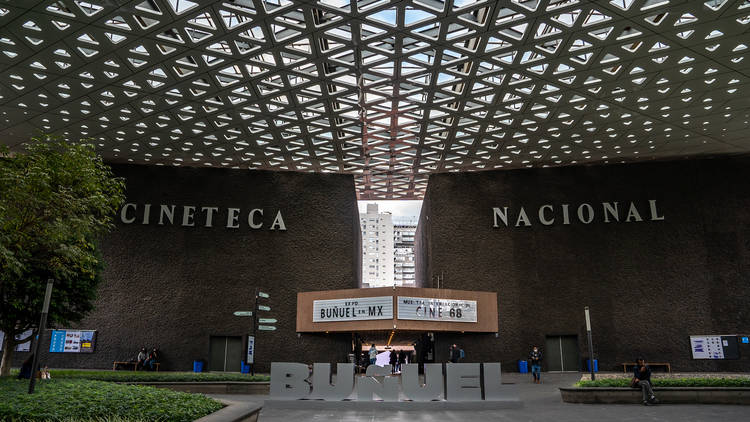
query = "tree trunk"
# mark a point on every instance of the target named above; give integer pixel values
(8, 348)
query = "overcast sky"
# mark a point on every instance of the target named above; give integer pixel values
(398, 208)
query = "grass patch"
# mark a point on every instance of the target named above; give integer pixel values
(62, 400)
(670, 382)
(142, 376)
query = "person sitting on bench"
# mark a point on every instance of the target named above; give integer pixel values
(142, 357)
(153, 358)
(642, 380)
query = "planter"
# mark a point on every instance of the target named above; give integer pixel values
(666, 395)
(219, 387)
(234, 412)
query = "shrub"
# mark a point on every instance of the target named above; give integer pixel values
(141, 376)
(61, 400)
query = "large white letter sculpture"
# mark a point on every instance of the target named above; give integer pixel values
(463, 382)
(322, 388)
(368, 385)
(433, 382)
(288, 380)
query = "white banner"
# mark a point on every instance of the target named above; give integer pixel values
(356, 309)
(23, 347)
(250, 350)
(432, 309)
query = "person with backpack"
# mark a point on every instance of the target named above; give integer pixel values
(455, 353)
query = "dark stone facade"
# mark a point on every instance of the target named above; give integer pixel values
(172, 287)
(650, 284)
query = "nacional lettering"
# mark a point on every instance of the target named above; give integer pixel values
(585, 213)
(192, 216)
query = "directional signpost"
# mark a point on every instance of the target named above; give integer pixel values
(250, 360)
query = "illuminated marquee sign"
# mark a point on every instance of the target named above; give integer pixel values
(353, 309)
(432, 309)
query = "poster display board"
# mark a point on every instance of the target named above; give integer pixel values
(714, 347)
(23, 347)
(353, 309)
(433, 309)
(72, 341)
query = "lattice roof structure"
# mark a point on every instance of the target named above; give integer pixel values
(389, 91)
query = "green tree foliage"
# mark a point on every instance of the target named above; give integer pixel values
(56, 199)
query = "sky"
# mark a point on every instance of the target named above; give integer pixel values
(398, 208)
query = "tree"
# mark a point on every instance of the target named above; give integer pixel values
(56, 201)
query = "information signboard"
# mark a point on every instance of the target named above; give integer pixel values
(23, 347)
(355, 309)
(72, 341)
(433, 309)
(714, 347)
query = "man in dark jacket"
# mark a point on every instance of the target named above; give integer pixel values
(535, 358)
(454, 353)
(642, 380)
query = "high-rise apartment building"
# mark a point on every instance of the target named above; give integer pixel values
(404, 229)
(377, 247)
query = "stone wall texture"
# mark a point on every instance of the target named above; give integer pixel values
(171, 287)
(649, 285)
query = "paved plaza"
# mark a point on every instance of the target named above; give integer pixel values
(540, 403)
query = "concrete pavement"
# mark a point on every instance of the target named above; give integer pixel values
(540, 402)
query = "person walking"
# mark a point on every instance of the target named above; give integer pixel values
(535, 357)
(642, 379)
(373, 354)
(454, 353)
(393, 360)
(401, 360)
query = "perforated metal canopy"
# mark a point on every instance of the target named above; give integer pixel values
(389, 91)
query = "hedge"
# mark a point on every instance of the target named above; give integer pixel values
(60, 400)
(142, 376)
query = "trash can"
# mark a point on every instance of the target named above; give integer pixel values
(197, 366)
(245, 369)
(523, 367)
(596, 365)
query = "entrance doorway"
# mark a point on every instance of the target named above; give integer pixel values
(562, 353)
(225, 354)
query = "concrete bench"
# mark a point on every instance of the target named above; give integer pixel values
(115, 364)
(693, 395)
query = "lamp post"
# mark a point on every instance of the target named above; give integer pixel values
(39, 333)
(591, 346)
